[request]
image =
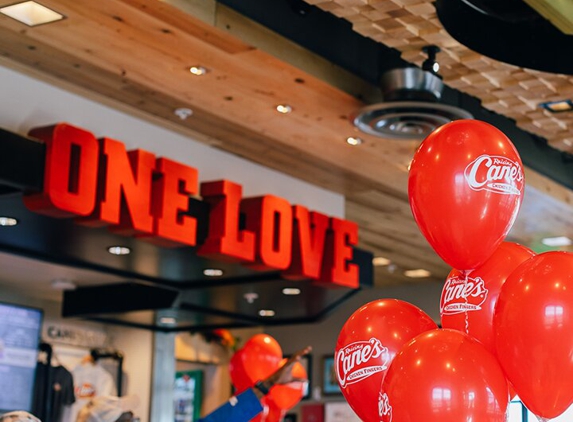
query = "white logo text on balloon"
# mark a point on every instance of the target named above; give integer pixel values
(494, 174)
(351, 361)
(459, 295)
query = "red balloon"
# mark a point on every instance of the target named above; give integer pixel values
(444, 375)
(366, 345)
(256, 360)
(533, 326)
(239, 376)
(275, 413)
(469, 305)
(286, 396)
(465, 188)
(261, 357)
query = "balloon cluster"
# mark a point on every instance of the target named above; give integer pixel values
(506, 313)
(256, 360)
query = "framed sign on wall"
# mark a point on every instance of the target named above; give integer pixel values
(188, 395)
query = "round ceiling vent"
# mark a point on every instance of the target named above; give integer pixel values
(406, 119)
(410, 110)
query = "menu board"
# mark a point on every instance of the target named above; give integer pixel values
(19, 336)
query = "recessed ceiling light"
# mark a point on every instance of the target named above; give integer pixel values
(557, 106)
(291, 291)
(267, 313)
(284, 108)
(380, 261)
(198, 70)
(183, 112)
(351, 140)
(557, 241)
(31, 13)
(8, 221)
(167, 320)
(419, 273)
(212, 272)
(63, 284)
(119, 250)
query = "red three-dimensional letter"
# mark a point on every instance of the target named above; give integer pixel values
(70, 176)
(225, 241)
(270, 217)
(173, 184)
(336, 267)
(309, 237)
(125, 190)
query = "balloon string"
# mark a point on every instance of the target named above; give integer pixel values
(467, 325)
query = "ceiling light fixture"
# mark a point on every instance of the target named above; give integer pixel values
(119, 250)
(251, 297)
(557, 106)
(31, 13)
(291, 291)
(284, 108)
(267, 313)
(430, 64)
(351, 140)
(380, 261)
(166, 320)
(183, 112)
(212, 272)
(63, 284)
(557, 241)
(418, 273)
(8, 221)
(197, 70)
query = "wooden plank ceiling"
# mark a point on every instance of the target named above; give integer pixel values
(135, 55)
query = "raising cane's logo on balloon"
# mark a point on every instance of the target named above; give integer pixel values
(494, 173)
(460, 295)
(384, 408)
(353, 362)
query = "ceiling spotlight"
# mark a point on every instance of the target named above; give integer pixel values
(267, 313)
(198, 70)
(183, 112)
(557, 241)
(119, 250)
(63, 284)
(419, 273)
(167, 320)
(212, 272)
(284, 108)
(291, 291)
(351, 140)
(430, 64)
(8, 221)
(31, 13)
(380, 261)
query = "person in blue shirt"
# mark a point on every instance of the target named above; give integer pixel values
(245, 406)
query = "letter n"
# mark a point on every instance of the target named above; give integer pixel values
(125, 190)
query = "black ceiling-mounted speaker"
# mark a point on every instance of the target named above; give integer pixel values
(410, 109)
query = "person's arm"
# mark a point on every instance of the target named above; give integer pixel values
(247, 405)
(240, 408)
(283, 375)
